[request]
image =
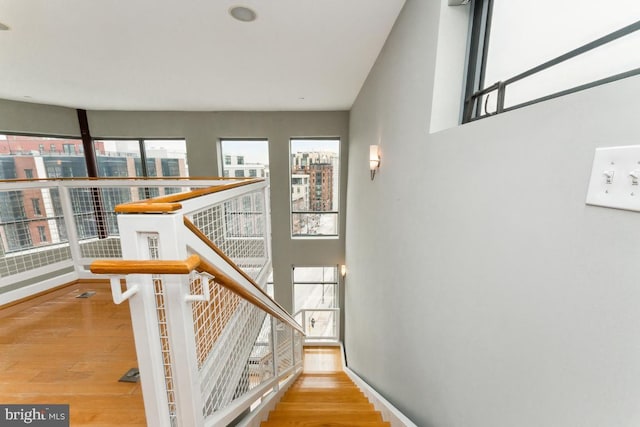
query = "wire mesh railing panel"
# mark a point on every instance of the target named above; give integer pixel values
(158, 286)
(261, 359)
(226, 374)
(31, 231)
(284, 346)
(298, 340)
(238, 228)
(210, 317)
(96, 221)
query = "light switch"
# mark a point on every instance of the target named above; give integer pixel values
(614, 178)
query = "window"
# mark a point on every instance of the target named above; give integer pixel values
(141, 157)
(519, 42)
(27, 152)
(245, 157)
(316, 305)
(42, 233)
(315, 166)
(35, 203)
(68, 148)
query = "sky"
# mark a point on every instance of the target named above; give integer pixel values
(257, 151)
(527, 33)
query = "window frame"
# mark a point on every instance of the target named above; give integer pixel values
(143, 155)
(334, 211)
(478, 40)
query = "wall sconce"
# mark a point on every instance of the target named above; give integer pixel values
(343, 270)
(374, 160)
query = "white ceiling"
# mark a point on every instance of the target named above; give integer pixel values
(191, 55)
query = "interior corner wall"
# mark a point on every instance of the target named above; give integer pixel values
(481, 290)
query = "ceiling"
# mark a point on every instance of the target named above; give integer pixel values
(190, 55)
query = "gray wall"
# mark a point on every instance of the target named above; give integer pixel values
(482, 291)
(202, 132)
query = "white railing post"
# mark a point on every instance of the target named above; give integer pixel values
(182, 341)
(274, 350)
(70, 223)
(144, 319)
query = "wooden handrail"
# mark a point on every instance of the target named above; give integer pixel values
(171, 203)
(194, 262)
(235, 287)
(122, 267)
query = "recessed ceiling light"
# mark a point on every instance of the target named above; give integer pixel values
(242, 13)
(3, 27)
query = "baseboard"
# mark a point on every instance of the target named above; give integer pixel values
(389, 412)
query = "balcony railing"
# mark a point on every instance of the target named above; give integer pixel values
(211, 344)
(56, 228)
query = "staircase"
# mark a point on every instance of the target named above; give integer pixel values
(324, 399)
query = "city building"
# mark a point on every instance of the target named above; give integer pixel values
(235, 166)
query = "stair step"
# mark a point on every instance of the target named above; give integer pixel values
(328, 399)
(324, 406)
(325, 424)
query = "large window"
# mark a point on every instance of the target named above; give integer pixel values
(141, 157)
(315, 168)
(522, 44)
(316, 305)
(245, 158)
(32, 217)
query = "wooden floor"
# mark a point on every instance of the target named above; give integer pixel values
(324, 396)
(59, 349)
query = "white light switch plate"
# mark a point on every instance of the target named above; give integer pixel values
(612, 182)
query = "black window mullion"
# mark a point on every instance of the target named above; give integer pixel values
(477, 58)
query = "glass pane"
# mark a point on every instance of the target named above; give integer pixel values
(320, 324)
(315, 224)
(118, 158)
(30, 157)
(168, 157)
(315, 166)
(613, 58)
(245, 158)
(525, 34)
(315, 287)
(315, 274)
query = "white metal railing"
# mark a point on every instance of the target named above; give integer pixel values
(210, 342)
(52, 226)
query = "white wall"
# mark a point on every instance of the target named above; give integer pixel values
(482, 291)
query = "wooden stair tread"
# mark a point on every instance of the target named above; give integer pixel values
(324, 400)
(324, 406)
(325, 424)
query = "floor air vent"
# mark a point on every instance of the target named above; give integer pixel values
(132, 376)
(87, 294)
